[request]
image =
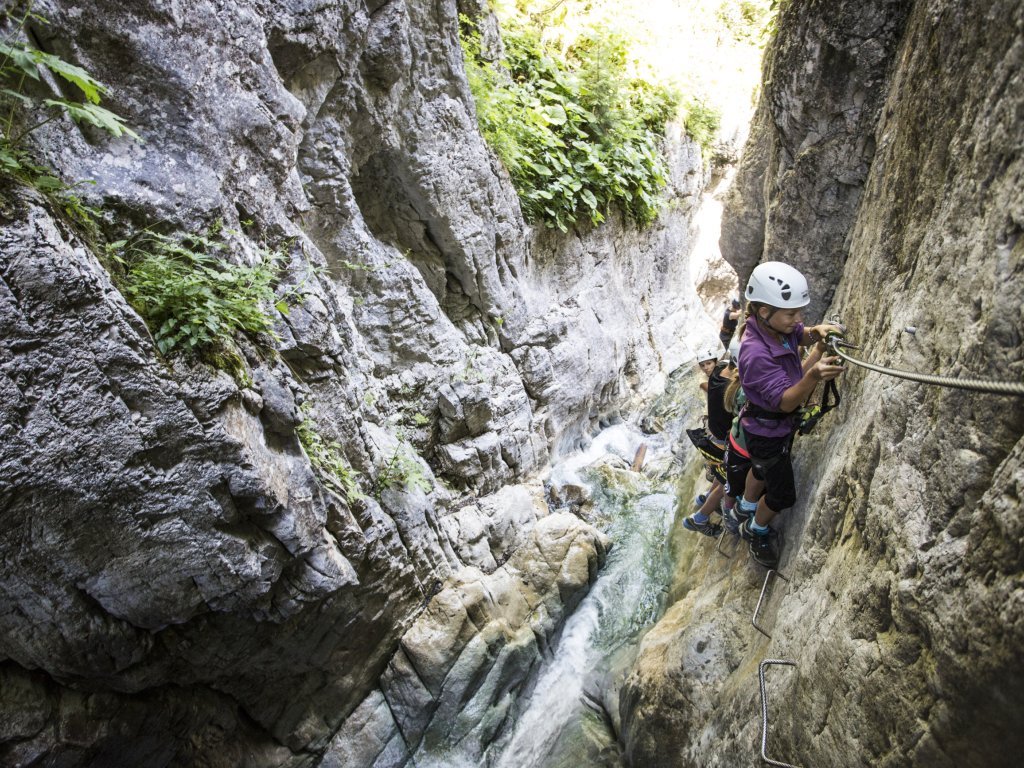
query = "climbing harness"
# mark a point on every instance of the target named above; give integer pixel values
(836, 344)
(811, 415)
(764, 711)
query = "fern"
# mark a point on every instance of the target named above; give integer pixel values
(576, 134)
(401, 472)
(193, 301)
(327, 459)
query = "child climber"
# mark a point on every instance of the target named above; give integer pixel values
(719, 419)
(775, 386)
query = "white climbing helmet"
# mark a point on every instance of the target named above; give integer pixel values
(778, 285)
(734, 351)
(707, 353)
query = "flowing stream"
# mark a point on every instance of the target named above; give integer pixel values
(566, 720)
(570, 718)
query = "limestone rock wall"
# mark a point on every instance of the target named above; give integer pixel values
(173, 576)
(812, 140)
(903, 607)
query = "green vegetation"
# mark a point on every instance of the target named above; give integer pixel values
(327, 459)
(401, 471)
(702, 123)
(746, 20)
(20, 66)
(470, 373)
(575, 131)
(192, 300)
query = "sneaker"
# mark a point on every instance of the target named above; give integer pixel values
(699, 499)
(761, 547)
(708, 528)
(734, 518)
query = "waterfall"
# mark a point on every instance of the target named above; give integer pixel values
(568, 718)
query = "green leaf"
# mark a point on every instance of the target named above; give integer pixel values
(95, 115)
(89, 85)
(21, 57)
(25, 100)
(555, 114)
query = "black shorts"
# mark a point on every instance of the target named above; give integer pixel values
(771, 463)
(736, 468)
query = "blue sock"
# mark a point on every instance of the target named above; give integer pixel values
(761, 529)
(747, 507)
(700, 517)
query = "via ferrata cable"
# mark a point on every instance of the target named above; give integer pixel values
(836, 343)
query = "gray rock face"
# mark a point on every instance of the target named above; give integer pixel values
(812, 141)
(170, 565)
(904, 552)
(461, 665)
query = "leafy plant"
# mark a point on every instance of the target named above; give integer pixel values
(470, 373)
(327, 459)
(576, 134)
(745, 20)
(20, 66)
(702, 123)
(21, 63)
(191, 298)
(401, 471)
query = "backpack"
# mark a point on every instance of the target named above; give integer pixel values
(713, 455)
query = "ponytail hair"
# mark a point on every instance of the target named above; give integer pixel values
(751, 311)
(731, 391)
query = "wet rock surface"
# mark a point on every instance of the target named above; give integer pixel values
(173, 574)
(903, 607)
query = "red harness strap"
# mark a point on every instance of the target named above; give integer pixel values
(736, 447)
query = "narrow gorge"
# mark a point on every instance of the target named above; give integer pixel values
(381, 532)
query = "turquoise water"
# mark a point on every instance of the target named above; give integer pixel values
(569, 721)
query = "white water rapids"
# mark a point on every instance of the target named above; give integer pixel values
(561, 723)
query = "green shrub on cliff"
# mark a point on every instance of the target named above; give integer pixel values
(193, 300)
(576, 133)
(327, 459)
(24, 110)
(702, 123)
(401, 472)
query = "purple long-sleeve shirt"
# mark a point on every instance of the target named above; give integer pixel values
(767, 369)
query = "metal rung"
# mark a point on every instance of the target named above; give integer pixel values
(764, 711)
(722, 538)
(757, 609)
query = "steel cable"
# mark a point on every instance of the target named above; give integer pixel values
(1015, 389)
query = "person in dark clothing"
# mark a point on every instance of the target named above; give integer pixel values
(775, 382)
(719, 421)
(730, 320)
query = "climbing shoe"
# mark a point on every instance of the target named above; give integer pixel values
(708, 528)
(734, 518)
(762, 547)
(699, 499)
